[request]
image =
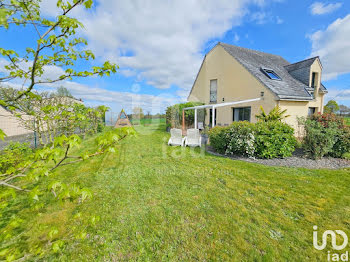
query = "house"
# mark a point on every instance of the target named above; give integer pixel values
(13, 126)
(230, 73)
(10, 124)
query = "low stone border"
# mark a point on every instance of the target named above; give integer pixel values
(297, 160)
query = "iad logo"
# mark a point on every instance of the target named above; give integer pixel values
(335, 246)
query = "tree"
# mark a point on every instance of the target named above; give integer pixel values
(344, 110)
(55, 46)
(137, 113)
(62, 92)
(331, 107)
(276, 114)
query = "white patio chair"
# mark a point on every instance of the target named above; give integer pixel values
(176, 137)
(193, 138)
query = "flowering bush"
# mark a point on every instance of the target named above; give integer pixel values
(241, 139)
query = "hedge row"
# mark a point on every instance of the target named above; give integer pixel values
(263, 139)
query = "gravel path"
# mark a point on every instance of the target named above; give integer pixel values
(297, 160)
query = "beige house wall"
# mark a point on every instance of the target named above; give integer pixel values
(234, 83)
(10, 124)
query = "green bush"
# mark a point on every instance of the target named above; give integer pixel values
(13, 154)
(218, 139)
(342, 146)
(319, 139)
(326, 134)
(274, 140)
(241, 139)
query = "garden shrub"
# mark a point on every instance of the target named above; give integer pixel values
(326, 134)
(241, 139)
(342, 146)
(319, 139)
(218, 138)
(13, 154)
(274, 140)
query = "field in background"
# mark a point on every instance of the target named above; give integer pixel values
(347, 120)
(157, 203)
(148, 121)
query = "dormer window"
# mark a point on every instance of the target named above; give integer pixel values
(314, 80)
(270, 74)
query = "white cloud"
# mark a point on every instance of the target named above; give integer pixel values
(116, 100)
(159, 41)
(51, 72)
(333, 47)
(319, 8)
(260, 18)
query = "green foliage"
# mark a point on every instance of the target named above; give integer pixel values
(326, 134)
(62, 92)
(264, 139)
(174, 114)
(276, 114)
(319, 140)
(274, 140)
(55, 44)
(33, 169)
(346, 156)
(13, 154)
(331, 107)
(2, 135)
(342, 146)
(241, 139)
(218, 138)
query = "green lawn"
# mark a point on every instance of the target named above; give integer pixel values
(160, 203)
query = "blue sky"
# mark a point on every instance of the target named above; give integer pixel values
(159, 44)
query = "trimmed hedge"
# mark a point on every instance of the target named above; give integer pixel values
(263, 139)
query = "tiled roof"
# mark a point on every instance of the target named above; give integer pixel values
(288, 87)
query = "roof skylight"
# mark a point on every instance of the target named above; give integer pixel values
(271, 74)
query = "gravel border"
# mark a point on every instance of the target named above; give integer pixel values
(297, 160)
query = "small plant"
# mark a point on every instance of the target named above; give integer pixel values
(276, 114)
